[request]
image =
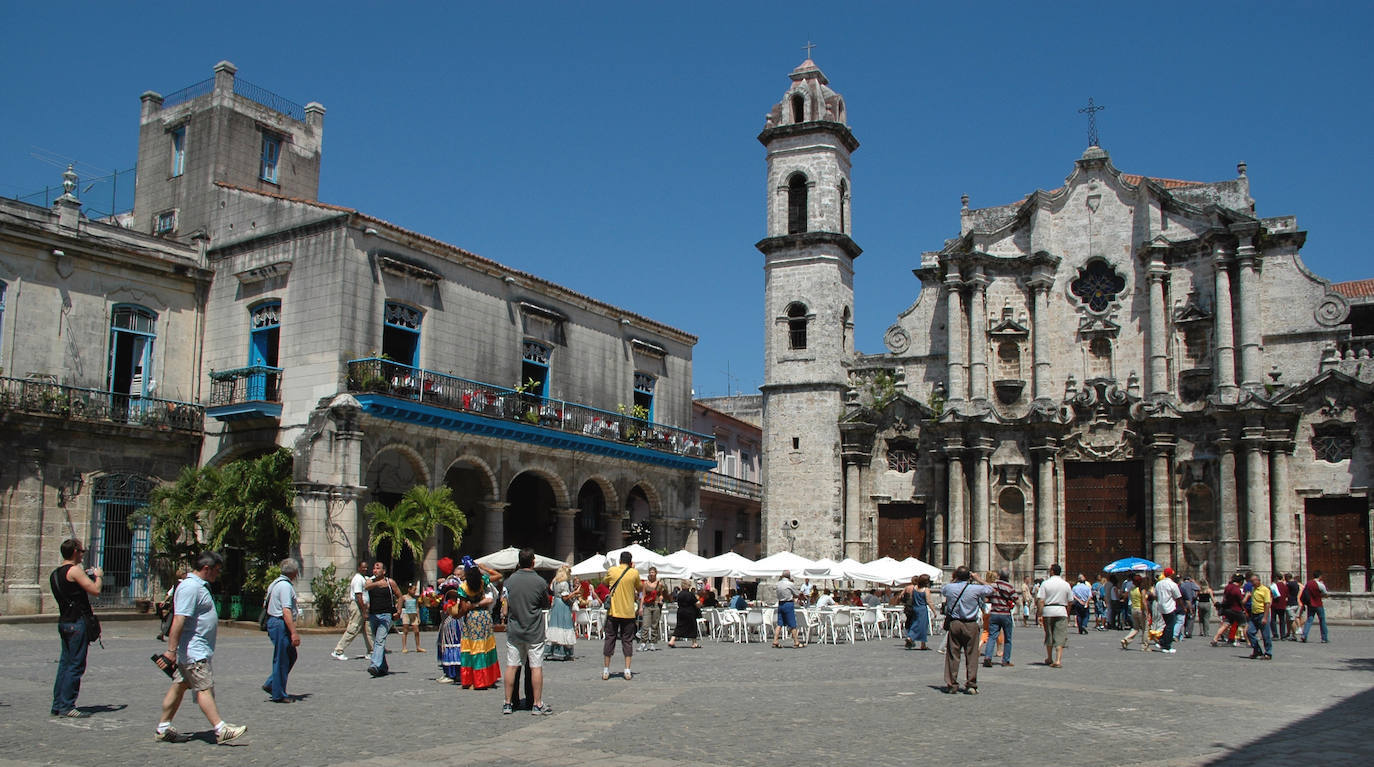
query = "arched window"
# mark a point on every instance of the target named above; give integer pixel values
(401, 334)
(796, 204)
(847, 331)
(1008, 361)
(798, 108)
(1201, 513)
(796, 326)
(844, 206)
(1100, 358)
(119, 541)
(1011, 522)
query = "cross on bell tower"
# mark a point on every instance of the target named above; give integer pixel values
(1091, 111)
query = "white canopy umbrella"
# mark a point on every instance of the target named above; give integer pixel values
(509, 559)
(773, 565)
(921, 568)
(644, 559)
(593, 565)
(727, 565)
(824, 569)
(688, 562)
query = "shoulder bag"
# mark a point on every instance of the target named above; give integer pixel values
(611, 593)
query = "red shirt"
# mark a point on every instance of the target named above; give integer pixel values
(1314, 593)
(1233, 597)
(602, 591)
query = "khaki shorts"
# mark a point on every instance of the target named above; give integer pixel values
(195, 675)
(410, 619)
(1056, 631)
(516, 652)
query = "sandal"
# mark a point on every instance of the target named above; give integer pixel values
(776, 645)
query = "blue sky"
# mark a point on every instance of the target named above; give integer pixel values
(611, 146)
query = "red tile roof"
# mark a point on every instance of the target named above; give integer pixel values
(1355, 288)
(1167, 183)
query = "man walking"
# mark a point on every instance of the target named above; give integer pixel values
(622, 600)
(961, 598)
(1261, 600)
(1052, 610)
(1189, 589)
(526, 596)
(1311, 598)
(1170, 599)
(1000, 604)
(1082, 597)
(281, 629)
(383, 609)
(190, 645)
(72, 587)
(787, 609)
(357, 614)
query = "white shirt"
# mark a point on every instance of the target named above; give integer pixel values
(1056, 593)
(825, 601)
(1166, 592)
(355, 586)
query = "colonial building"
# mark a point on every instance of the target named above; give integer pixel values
(382, 357)
(731, 495)
(1120, 366)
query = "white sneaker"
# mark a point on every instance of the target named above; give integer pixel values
(605, 674)
(653, 647)
(336, 655)
(627, 675)
(228, 732)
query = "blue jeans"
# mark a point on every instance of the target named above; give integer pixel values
(1320, 614)
(1259, 627)
(1166, 640)
(283, 657)
(380, 625)
(70, 666)
(999, 622)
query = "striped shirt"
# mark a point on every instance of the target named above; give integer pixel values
(1003, 597)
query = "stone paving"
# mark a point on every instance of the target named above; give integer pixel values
(871, 703)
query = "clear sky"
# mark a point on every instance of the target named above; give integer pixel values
(611, 146)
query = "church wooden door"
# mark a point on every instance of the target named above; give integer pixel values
(1104, 515)
(902, 530)
(1337, 537)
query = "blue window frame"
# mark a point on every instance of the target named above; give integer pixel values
(263, 344)
(271, 156)
(4, 289)
(401, 333)
(644, 393)
(535, 368)
(178, 151)
(133, 329)
(119, 542)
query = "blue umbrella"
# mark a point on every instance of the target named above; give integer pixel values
(1131, 565)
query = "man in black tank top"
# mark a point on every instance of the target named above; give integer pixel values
(383, 608)
(72, 587)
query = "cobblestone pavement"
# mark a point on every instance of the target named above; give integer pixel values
(726, 704)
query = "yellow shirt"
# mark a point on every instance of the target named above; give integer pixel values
(1260, 599)
(623, 596)
(1138, 599)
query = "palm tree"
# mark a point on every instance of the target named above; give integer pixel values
(434, 509)
(397, 526)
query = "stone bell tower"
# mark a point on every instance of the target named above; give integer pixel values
(808, 315)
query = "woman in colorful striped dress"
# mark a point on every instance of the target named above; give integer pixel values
(450, 636)
(479, 667)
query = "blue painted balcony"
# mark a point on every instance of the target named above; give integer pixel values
(71, 403)
(245, 393)
(388, 389)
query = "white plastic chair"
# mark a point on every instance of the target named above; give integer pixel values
(808, 623)
(582, 624)
(753, 621)
(731, 626)
(842, 622)
(868, 622)
(669, 623)
(704, 623)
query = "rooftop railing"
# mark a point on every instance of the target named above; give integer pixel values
(379, 376)
(243, 88)
(95, 406)
(255, 383)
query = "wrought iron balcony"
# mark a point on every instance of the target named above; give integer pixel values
(250, 392)
(73, 403)
(724, 483)
(437, 390)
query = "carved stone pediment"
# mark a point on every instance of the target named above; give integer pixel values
(1101, 442)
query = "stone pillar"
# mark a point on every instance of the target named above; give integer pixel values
(956, 343)
(24, 589)
(563, 532)
(981, 532)
(1247, 264)
(853, 508)
(1161, 499)
(1045, 525)
(939, 515)
(1158, 385)
(1040, 330)
(1228, 524)
(978, 336)
(1225, 334)
(957, 541)
(494, 525)
(1280, 507)
(1258, 543)
(614, 531)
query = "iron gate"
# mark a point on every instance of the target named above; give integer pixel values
(120, 543)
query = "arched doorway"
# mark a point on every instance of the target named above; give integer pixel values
(637, 511)
(589, 529)
(390, 474)
(530, 519)
(471, 488)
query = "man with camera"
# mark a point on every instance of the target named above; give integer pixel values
(963, 617)
(73, 587)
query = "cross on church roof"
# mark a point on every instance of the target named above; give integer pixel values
(809, 45)
(1091, 111)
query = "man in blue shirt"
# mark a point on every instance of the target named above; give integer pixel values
(1082, 597)
(190, 644)
(961, 608)
(281, 629)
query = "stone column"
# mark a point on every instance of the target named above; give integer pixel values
(563, 532)
(1158, 384)
(981, 530)
(1228, 524)
(1225, 335)
(614, 531)
(1044, 507)
(956, 343)
(24, 586)
(939, 507)
(1161, 499)
(978, 336)
(1247, 264)
(957, 541)
(1280, 506)
(1258, 543)
(494, 527)
(1040, 348)
(853, 522)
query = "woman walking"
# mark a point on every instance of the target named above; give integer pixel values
(918, 624)
(1140, 622)
(479, 668)
(687, 614)
(559, 632)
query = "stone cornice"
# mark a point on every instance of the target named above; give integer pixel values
(839, 130)
(770, 245)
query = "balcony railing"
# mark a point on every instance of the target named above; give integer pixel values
(1357, 348)
(96, 406)
(256, 383)
(392, 379)
(723, 483)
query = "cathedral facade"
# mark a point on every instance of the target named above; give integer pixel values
(1121, 366)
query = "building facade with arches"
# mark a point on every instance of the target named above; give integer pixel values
(1119, 366)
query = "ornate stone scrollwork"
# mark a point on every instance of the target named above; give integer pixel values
(1331, 310)
(897, 340)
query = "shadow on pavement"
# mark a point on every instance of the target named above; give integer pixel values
(1330, 737)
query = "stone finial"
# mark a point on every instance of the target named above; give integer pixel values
(1240, 168)
(963, 201)
(69, 181)
(226, 66)
(68, 206)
